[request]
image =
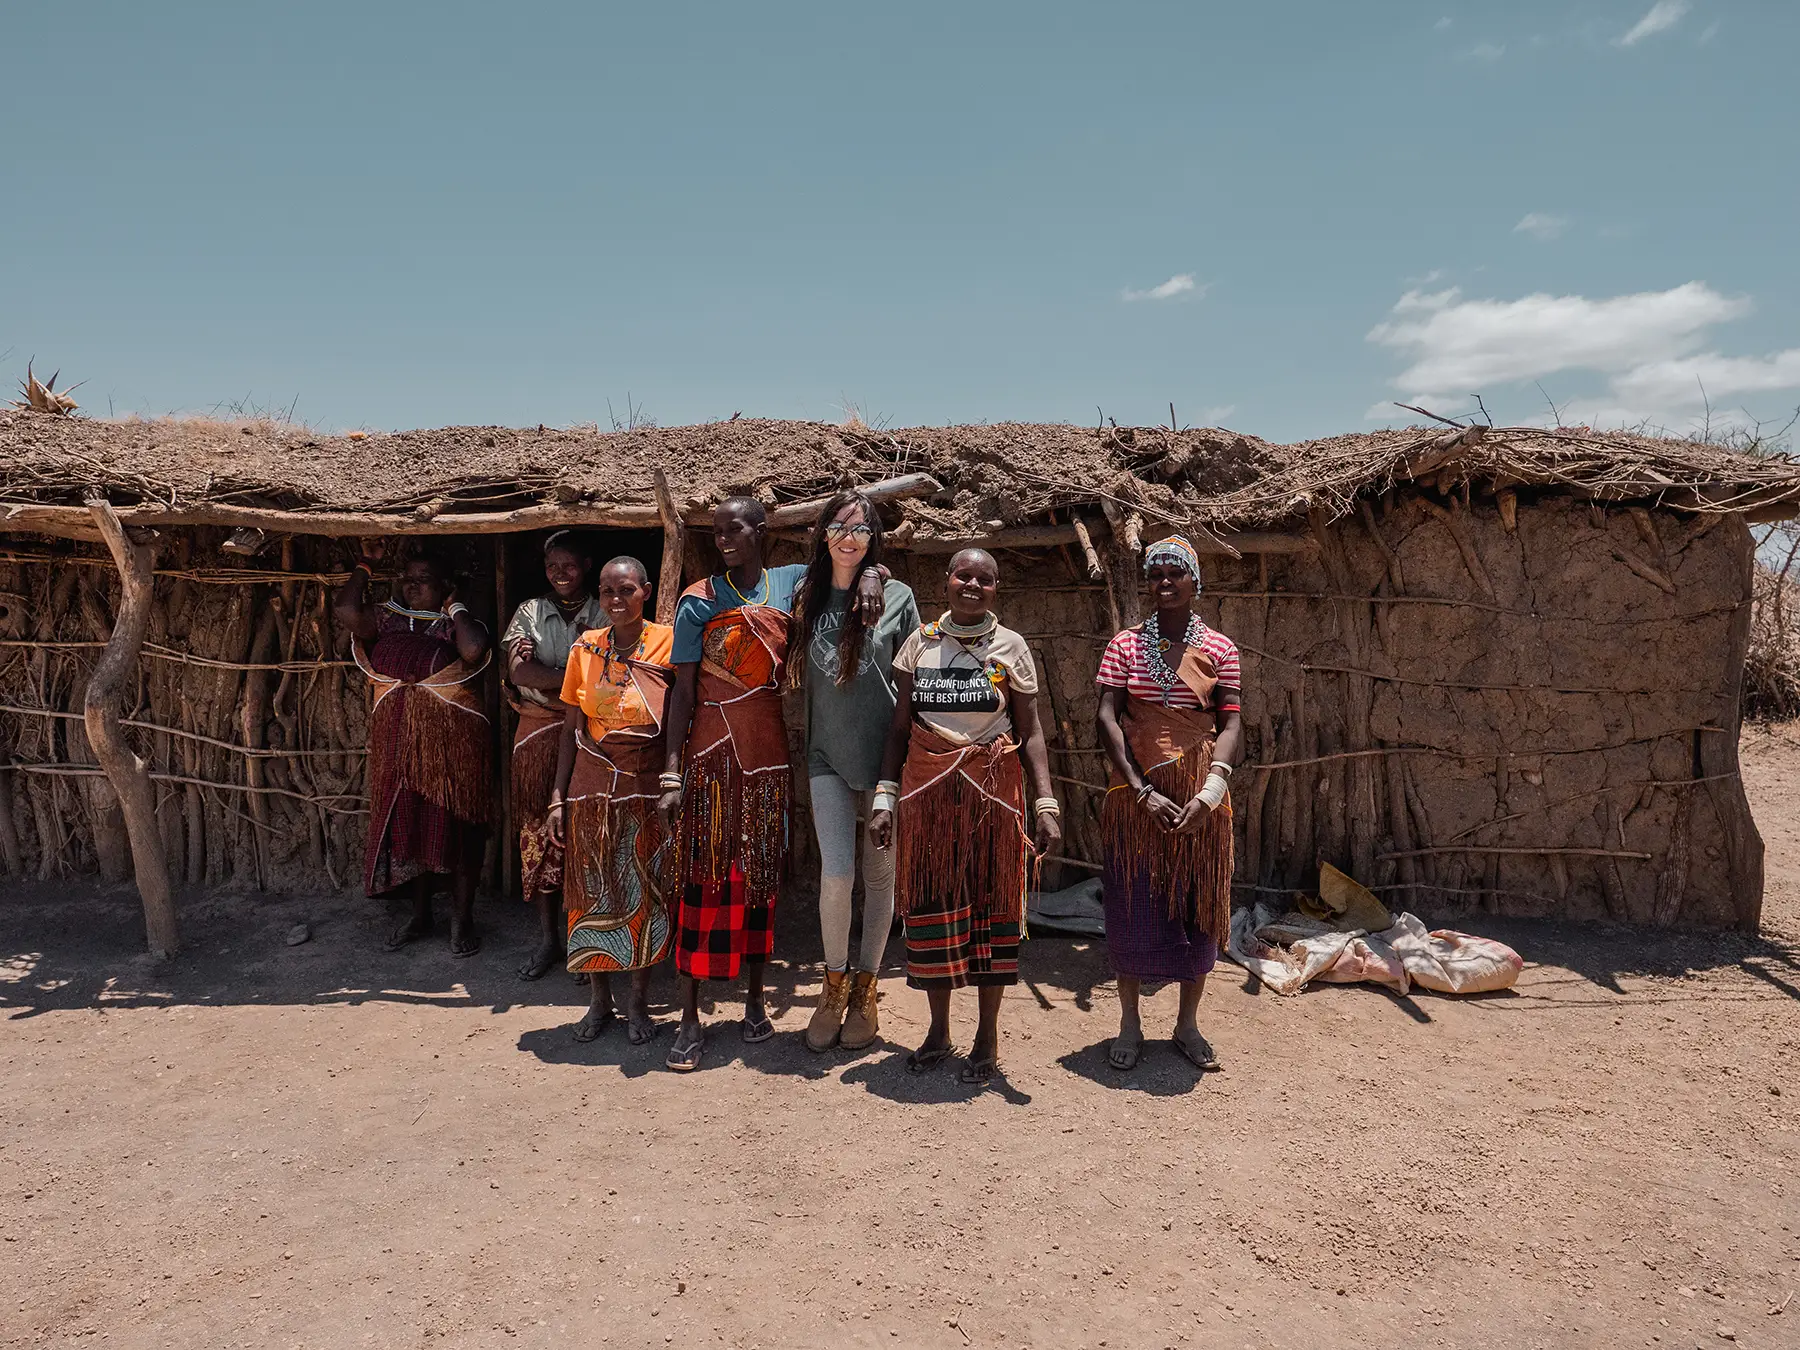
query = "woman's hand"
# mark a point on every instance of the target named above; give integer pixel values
(871, 596)
(1163, 811)
(668, 806)
(521, 650)
(556, 821)
(1049, 831)
(881, 829)
(1192, 816)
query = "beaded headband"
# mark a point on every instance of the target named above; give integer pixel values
(1177, 550)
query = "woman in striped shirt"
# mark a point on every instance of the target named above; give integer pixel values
(1171, 724)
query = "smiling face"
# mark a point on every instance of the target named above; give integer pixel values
(421, 587)
(974, 578)
(738, 538)
(566, 571)
(847, 536)
(623, 593)
(1171, 585)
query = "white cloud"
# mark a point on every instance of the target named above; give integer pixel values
(1659, 18)
(1652, 348)
(1486, 51)
(1216, 415)
(1443, 24)
(1180, 284)
(1541, 226)
(1711, 31)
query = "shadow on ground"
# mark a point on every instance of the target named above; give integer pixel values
(65, 947)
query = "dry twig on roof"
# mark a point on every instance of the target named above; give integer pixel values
(40, 397)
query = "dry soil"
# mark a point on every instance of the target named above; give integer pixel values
(331, 1145)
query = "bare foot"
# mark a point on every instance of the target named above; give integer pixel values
(464, 940)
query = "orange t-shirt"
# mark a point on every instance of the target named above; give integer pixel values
(598, 682)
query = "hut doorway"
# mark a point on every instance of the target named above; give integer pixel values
(519, 576)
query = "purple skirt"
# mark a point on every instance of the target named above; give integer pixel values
(1144, 942)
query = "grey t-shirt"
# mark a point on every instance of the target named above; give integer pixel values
(847, 725)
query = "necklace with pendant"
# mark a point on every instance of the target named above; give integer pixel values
(1156, 653)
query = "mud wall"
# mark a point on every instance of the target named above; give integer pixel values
(1539, 720)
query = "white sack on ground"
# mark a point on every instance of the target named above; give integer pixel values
(1290, 952)
(1450, 962)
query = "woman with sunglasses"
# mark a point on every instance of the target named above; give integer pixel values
(845, 665)
(726, 779)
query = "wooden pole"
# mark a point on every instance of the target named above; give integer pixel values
(102, 707)
(668, 584)
(506, 875)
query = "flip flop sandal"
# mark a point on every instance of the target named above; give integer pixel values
(405, 935)
(919, 1061)
(538, 967)
(758, 1031)
(1128, 1060)
(685, 1059)
(474, 941)
(1202, 1057)
(979, 1072)
(594, 1027)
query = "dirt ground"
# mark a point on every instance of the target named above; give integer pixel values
(328, 1145)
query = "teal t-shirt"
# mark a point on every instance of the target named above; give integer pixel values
(847, 725)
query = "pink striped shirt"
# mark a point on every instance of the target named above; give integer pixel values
(1123, 667)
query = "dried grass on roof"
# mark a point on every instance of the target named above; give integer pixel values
(1006, 472)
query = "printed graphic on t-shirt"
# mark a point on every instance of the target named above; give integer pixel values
(955, 689)
(824, 653)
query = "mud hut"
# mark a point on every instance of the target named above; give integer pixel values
(1486, 669)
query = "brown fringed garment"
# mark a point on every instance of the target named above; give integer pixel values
(1173, 747)
(535, 742)
(428, 740)
(738, 781)
(961, 828)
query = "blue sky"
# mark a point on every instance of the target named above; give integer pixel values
(1275, 215)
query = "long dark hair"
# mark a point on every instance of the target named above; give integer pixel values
(814, 596)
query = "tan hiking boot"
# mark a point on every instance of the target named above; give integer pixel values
(861, 1027)
(828, 1017)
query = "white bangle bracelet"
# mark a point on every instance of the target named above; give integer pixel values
(457, 608)
(883, 801)
(1217, 785)
(1220, 766)
(889, 785)
(1048, 806)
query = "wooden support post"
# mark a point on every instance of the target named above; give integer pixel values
(505, 874)
(668, 582)
(12, 856)
(102, 707)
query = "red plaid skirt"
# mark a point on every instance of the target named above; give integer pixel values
(718, 934)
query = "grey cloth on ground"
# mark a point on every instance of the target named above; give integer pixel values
(835, 806)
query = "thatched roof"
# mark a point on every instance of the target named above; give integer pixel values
(986, 477)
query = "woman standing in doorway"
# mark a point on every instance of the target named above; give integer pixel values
(619, 874)
(845, 666)
(965, 715)
(429, 759)
(729, 811)
(1170, 721)
(537, 644)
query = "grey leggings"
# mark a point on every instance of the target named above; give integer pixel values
(835, 807)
